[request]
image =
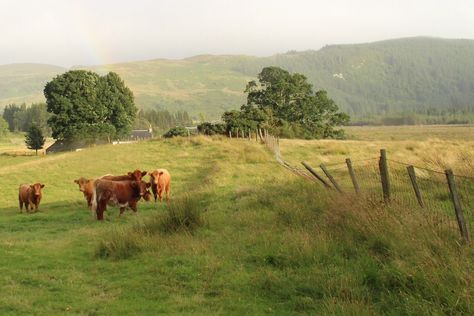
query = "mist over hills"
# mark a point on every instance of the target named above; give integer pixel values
(411, 75)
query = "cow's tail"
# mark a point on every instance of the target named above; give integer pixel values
(94, 200)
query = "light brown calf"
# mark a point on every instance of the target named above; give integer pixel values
(160, 183)
(30, 195)
(86, 186)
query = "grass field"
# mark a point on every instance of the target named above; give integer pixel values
(240, 236)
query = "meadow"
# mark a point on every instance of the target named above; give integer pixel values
(241, 235)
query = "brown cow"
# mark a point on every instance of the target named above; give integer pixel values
(86, 186)
(160, 183)
(121, 193)
(30, 195)
(136, 175)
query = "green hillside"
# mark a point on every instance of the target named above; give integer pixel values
(423, 75)
(246, 237)
(25, 82)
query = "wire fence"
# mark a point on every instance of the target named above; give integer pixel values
(412, 187)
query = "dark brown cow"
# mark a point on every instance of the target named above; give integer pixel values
(86, 186)
(136, 175)
(30, 195)
(120, 193)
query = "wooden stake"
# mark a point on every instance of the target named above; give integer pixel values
(412, 174)
(457, 205)
(330, 177)
(384, 176)
(314, 173)
(352, 174)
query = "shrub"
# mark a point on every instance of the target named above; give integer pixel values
(182, 215)
(176, 131)
(210, 129)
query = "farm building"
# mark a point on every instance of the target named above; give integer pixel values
(140, 134)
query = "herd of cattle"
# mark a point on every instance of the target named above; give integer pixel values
(122, 191)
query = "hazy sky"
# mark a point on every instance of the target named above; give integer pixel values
(85, 32)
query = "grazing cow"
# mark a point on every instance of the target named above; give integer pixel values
(86, 186)
(30, 195)
(119, 193)
(136, 175)
(160, 183)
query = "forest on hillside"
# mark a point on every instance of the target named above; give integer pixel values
(403, 81)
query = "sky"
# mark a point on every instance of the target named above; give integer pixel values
(90, 32)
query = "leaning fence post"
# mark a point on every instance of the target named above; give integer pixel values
(330, 177)
(457, 204)
(317, 176)
(383, 166)
(352, 174)
(412, 174)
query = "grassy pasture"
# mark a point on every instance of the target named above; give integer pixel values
(263, 240)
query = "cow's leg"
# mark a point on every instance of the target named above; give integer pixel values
(101, 208)
(153, 189)
(160, 194)
(168, 189)
(133, 206)
(122, 209)
(21, 204)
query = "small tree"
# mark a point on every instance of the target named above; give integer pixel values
(3, 128)
(34, 138)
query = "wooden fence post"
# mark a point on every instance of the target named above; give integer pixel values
(330, 177)
(230, 134)
(457, 205)
(317, 176)
(256, 135)
(412, 174)
(384, 176)
(250, 134)
(352, 174)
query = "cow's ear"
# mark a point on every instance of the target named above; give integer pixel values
(143, 173)
(42, 186)
(161, 172)
(148, 184)
(76, 181)
(32, 186)
(129, 173)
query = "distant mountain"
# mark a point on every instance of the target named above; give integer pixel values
(25, 82)
(428, 75)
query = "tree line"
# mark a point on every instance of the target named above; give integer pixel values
(21, 117)
(161, 120)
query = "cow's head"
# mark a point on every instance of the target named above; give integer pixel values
(155, 175)
(82, 183)
(37, 188)
(137, 174)
(142, 188)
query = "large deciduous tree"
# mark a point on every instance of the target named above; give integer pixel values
(86, 106)
(285, 104)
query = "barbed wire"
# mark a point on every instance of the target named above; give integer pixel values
(436, 198)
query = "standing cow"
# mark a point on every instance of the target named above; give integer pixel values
(86, 186)
(30, 195)
(160, 183)
(120, 193)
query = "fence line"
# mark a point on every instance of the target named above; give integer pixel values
(446, 199)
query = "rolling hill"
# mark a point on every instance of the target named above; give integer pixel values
(414, 75)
